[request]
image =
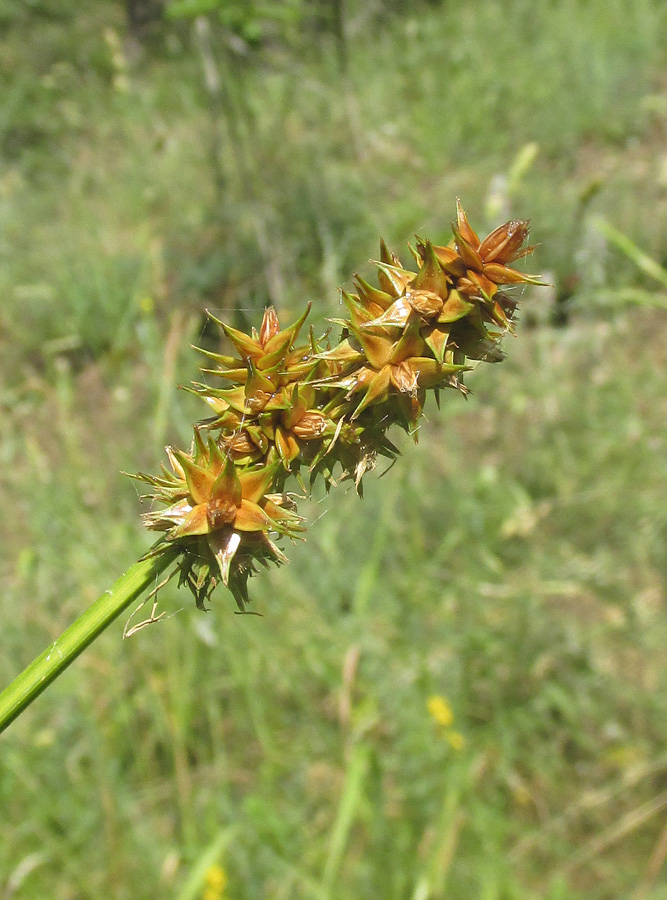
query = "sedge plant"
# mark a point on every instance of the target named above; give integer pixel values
(288, 409)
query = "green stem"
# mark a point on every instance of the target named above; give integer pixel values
(58, 655)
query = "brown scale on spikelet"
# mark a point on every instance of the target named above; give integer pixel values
(327, 409)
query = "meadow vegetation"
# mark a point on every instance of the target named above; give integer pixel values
(458, 686)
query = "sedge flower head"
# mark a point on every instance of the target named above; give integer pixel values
(281, 407)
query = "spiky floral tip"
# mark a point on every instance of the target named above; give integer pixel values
(327, 409)
(220, 515)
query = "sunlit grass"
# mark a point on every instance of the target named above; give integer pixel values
(522, 580)
(110, 193)
(511, 565)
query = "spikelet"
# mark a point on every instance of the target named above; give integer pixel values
(311, 409)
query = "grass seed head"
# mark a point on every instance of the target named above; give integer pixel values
(327, 409)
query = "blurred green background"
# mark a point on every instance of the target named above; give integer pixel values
(458, 688)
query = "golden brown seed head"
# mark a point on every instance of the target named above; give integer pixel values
(327, 408)
(220, 512)
(503, 245)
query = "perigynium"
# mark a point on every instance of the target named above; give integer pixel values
(289, 408)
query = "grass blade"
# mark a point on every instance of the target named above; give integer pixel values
(623, 243)
(347, 808)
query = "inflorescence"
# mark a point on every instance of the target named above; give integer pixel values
(311, 408)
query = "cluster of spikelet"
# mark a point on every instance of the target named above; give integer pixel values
(290, 408)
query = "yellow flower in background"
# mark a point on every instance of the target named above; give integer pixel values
(215, 883)
(455, 740)
(442, 714)
(147, 305)
(440, 710)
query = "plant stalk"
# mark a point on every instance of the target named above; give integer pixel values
(58, 655)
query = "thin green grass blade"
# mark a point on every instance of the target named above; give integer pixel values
(433, 881)
(642, 260)
(635, 296)
(347, 809)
